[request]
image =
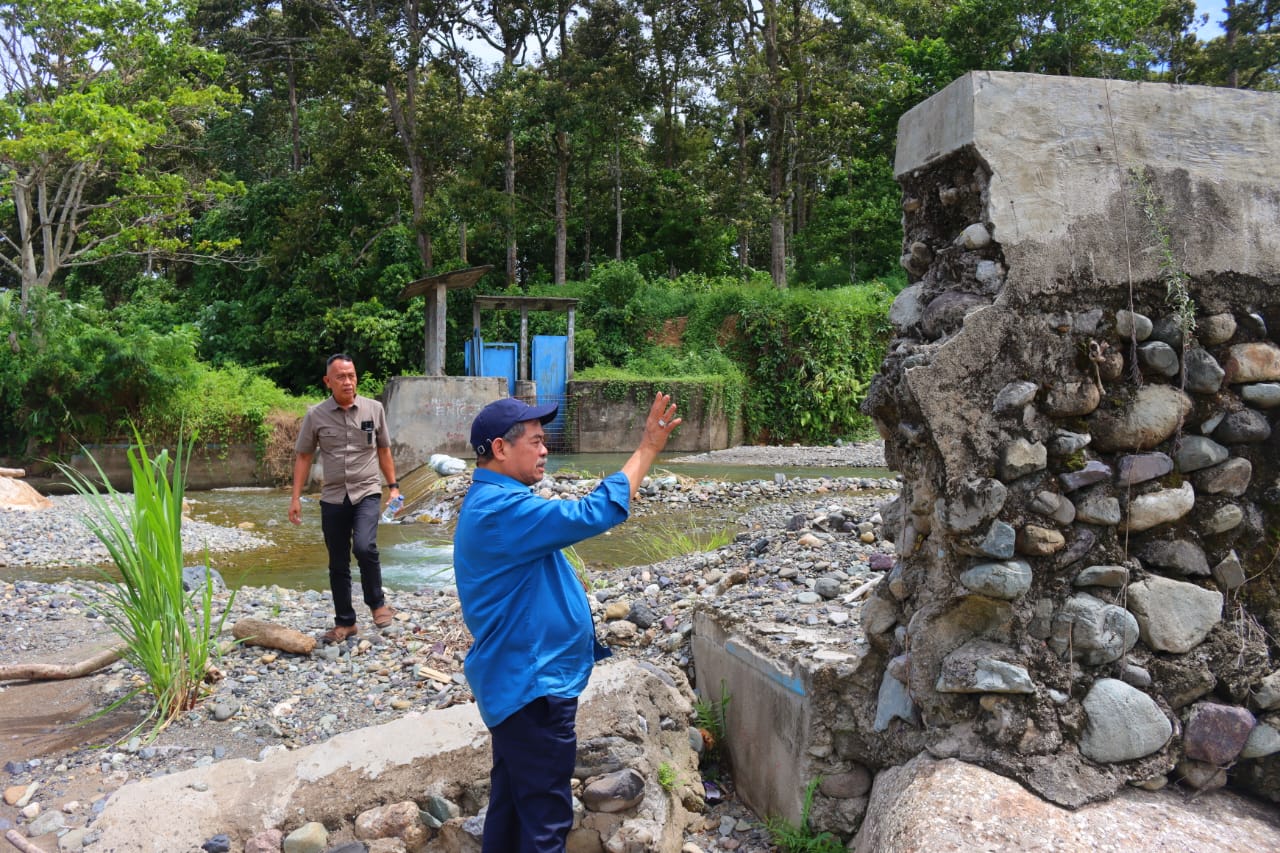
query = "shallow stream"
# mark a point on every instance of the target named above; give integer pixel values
(419, 554)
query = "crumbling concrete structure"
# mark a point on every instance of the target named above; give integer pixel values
(1082, 398)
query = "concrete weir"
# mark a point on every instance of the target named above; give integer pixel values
(1081, 396)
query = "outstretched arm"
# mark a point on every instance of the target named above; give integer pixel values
(657, 429)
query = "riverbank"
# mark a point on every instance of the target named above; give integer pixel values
(805, 553)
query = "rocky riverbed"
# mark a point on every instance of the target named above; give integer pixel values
(807, 552)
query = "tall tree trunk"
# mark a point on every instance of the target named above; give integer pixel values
(462, 242)
(509, 187)
(295, 131)
(744, 174)
(562, 204)
(777, 166)
(617, 200)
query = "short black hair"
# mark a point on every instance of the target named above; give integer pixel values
(337, 356)
(517, 430)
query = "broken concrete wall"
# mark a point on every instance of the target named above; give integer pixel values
(633, 721)
(1082, 399)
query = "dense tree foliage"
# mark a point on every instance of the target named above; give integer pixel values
(259, 179)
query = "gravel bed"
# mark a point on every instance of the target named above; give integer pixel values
(805, 553)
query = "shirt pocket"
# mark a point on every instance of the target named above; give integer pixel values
(331, 438)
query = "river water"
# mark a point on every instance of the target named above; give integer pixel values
(419, 554)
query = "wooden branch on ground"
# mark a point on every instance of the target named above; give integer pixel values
(16, 473)
(60, 671)
(257, 632)
(16, 839)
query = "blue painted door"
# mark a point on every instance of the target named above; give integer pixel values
(550, 361)
(496, 359)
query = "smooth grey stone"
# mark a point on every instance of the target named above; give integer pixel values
(1113, 577)
(1195, 452)
(1122, 723)
(907, 308)
(1014, 396)
(1159, 507)
(1230, 478)
(972, 669)
(1099, 509)
(1264, 395)
(1167, 330)
(1229, 573)
(989, 274)
(1079, 543)
(828, 588)
(1212, 423)
(1151, 415)
(1092, 472)
(1092, 631)
(1004, 580)
(1173, 616)
(1020, 458)
(1266, 693)
(1130, 324)
(1141, 467)
(1065, 442)
(1224, 518)
(1086, 322)
(1264, 740)
(1180, 556)
(1215, 329)
(1159, 358)
(975, 236)
(893, 701)
(947, 311)
(1246, 426)
(1204, 374)
(998, 541)
(614, 792)
(1134, 675)
(974, 503)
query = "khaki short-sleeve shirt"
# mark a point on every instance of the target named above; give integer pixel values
(348, 441)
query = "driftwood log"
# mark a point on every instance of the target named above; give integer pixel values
(15, 838)
(16, 473)
(258, 632)
(60, 671)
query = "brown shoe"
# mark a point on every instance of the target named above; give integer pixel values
(338, 633)
(383, 615)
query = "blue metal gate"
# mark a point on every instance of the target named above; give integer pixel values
(496, 359)
(550, 359)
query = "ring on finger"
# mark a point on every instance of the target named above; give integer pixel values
(661, 422)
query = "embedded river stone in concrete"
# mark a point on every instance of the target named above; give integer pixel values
(1160, 507)
(1149, 417)
(1123, 723)
(1007, 580)
(1157, 428)
(1174, 616)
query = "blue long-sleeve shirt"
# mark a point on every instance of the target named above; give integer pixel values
(520, 597)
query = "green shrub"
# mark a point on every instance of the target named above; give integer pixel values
(801, 839)
(169, 634)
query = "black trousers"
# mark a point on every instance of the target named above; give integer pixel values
(351, 528)
(530, 803)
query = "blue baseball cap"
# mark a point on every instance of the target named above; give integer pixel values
(501, 415)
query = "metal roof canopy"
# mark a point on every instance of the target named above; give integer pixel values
(435, 288)
(525, 304)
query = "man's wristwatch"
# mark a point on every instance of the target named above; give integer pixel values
(393, 485)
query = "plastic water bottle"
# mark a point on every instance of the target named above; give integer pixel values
(393, 506)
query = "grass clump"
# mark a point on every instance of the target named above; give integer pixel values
(667, 776)
(666, 539)
(801, 839)
(169, 633)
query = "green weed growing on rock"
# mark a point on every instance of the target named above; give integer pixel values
(801, 839)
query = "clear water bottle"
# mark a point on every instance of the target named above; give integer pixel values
(393, 506)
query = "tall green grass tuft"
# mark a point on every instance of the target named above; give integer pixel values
(169, 633)
(802, 839)
(666, 539)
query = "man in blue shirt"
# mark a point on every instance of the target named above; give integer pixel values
(524, 605)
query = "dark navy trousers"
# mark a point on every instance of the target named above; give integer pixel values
(352, 527)
(530, 804)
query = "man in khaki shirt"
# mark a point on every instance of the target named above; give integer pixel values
(351, 433)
